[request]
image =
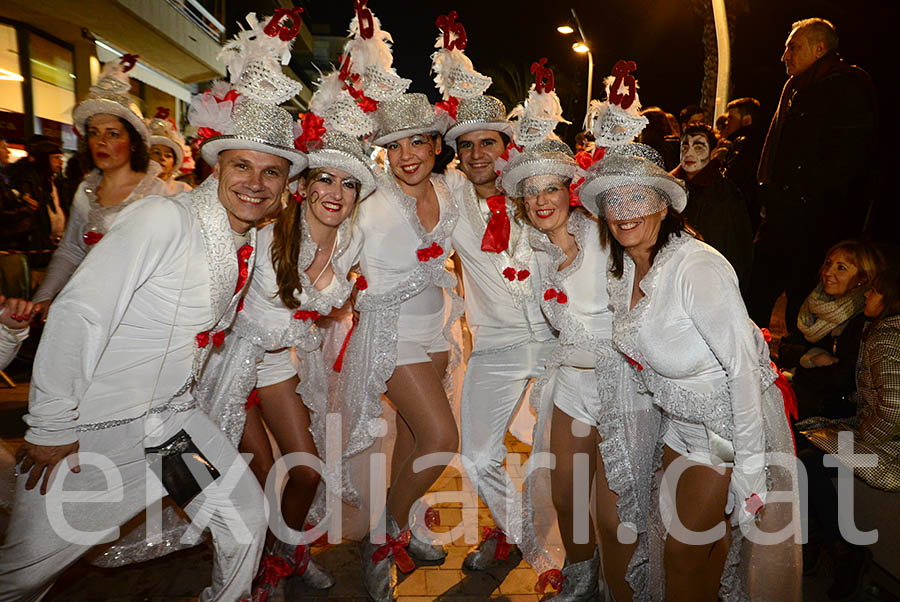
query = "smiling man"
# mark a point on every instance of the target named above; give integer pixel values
(511, 337)
(124, 342)
(815, 168)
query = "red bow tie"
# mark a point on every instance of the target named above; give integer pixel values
(496, 235)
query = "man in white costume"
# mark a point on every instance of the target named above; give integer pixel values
(124, 342)
(511, 337)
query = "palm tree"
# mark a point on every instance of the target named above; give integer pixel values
(703, 9)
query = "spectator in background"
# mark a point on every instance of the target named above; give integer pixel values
(4, 157)
(715, 207)
(876, 428)
(660, 134)
(743, 140)
(815, 165)
(721, 122)
(831, 323)
(691, 114)
(36, 180)
(584, 141)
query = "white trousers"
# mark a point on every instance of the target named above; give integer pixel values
(493, 389)
(49, 533)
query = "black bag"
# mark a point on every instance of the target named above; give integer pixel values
(182, 468)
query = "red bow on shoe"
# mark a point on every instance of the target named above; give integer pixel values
(496, 235)
(501, 552)
(552, 577)
(397, 547)
(272, 570)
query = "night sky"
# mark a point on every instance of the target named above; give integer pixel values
(662, 36)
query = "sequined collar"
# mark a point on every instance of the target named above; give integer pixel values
(448, 208)
(334, 294)
(577, 226)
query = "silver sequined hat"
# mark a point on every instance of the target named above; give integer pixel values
(618, 177)
(549, 156)
(344, 122)
(164, 132)
(480, 113)
(109, 96)
(246, 114)
(407, 115)
(459, 82)
(537, 150)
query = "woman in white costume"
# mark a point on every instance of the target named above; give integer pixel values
(586, 404)
(401, 345)
(680, 320)
(167, 148)
(115, 145)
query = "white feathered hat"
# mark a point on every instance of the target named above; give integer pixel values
(619, 162)
(536, 150)
(163, 132)
(110, 96)
(245, 113)
(462, 87)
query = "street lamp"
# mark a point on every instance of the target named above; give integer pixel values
(581, 48)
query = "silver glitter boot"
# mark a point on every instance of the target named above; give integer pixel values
(492, 551)
(316, 577)
(379, 562)
(420, 547)
(580, 584)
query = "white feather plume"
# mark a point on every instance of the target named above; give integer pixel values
(207, 112)
(454, 73)
(373, 52)
(330, 90)
(635, 109)
(253, 44)
(544, 105)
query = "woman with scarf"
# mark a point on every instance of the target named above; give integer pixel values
(831, 323)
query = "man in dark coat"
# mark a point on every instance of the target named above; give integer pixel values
(743, 141)
(814, 168)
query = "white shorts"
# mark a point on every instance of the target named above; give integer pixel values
(419, 336)
(693, 441)
(575, 393)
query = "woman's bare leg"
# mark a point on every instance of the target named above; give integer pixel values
(693, 572)
(565, 446)
(616, 555)
(288, 420)
(418, 394)
(255, 441)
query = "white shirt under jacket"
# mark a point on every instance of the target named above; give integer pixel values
(500, 312)
(114, 344)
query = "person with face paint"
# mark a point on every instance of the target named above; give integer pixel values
(715, 207)
(167, 148)
(402, 343)
(114, 145)
(680, 320)
(583, 397)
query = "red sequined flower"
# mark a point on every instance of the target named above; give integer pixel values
(561, 298)
(509, 273)
(302, 314)
(550, 293)
(361, 283)
(91, 238)
(522, 275)
(218, 338)
(429, 253)
(203, 339)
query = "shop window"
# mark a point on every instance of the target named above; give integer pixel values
(52, 88)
